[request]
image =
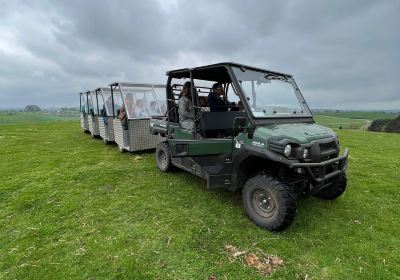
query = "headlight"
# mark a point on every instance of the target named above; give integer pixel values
(287, 151)
(306, 153)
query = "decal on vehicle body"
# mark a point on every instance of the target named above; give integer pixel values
(258, 144)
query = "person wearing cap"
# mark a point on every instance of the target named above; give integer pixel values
(215, 99)
(186, 110)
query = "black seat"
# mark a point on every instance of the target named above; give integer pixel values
(213, 122)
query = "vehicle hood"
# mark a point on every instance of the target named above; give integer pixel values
(301, 132)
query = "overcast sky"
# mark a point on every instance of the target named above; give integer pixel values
(343, 54)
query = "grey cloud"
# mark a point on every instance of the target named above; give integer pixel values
(344, 54)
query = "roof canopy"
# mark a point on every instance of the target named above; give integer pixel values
(128, 84)
(215, 72)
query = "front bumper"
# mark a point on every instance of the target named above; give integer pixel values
(322, 175)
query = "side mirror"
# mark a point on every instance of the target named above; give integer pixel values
(239, 125)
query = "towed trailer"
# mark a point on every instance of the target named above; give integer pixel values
(93, 118)
(133, 106)
(84, 111)
(106, 117)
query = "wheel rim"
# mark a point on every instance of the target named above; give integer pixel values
(162, 158)
(263, 203)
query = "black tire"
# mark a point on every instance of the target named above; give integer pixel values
(163, 157)
(105, 141)
(269, 203)
(86, 131)
(335, 190)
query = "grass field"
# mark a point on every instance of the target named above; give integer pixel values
(73, 208)
(360, 115)
(37, 117)
(351, 119)
(341, 123)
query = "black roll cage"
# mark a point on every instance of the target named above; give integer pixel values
(223, 73)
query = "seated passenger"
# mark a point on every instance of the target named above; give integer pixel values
(123, 117)
(215, 101)
(130, 105)
(109, 105)
(203, 103)
(185, 110)
(153, 110)
(140, 110)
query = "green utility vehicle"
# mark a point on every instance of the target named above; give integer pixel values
(261, 139)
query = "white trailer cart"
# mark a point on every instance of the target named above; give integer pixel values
(134, 105)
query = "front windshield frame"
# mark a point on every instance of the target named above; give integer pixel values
(107, 101)
(143, 94)
(273, 113)
(93, 103)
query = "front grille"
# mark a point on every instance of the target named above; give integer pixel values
(328, 150)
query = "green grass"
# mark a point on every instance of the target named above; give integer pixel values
(360, 115)
(73, 208)
(339, 122)
(34, 117)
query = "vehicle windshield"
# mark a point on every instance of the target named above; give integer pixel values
(140, 101)
(92, 103)
(83, 103)
(271, 95)
(107, 102)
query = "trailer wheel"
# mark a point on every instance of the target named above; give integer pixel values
(269, 203)
(105, 141)
(163, 157)
(335, 190)
(121, 149)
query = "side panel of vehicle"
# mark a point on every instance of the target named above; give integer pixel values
(210, 159)
(204, 147)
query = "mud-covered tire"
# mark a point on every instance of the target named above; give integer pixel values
(269, 203)
(163, 157)
(335, 190)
